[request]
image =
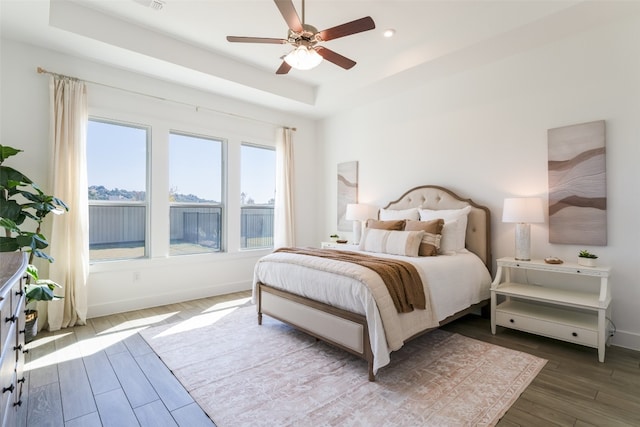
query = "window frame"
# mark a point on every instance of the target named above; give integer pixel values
(223, 205)
(262, 147)
(148, 185)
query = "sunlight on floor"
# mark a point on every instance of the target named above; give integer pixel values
(118, 333)
(211, 315)
(232, 303)
(139, 323)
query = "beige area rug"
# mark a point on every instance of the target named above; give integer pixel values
(243, 374)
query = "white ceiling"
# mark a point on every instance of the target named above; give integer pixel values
(185, 41)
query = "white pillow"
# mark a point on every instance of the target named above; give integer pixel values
(392, 242)
(391, 214)
(459, 232)
(449, 239)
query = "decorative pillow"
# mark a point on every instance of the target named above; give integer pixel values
(391, 242)
(449, 240)
(389, 214)
(449, 215)
(386, 225)
(432, 235)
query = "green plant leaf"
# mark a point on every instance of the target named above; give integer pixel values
(42, 255)
(32, 271)
(9, 224)
(6, 152)
(8, 244)
(11, 178)
(36, 292)
(12, 210)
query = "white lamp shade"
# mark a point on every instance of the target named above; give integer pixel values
(523, 210)
(357, 212)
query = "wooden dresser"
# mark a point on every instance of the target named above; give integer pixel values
(12, 329)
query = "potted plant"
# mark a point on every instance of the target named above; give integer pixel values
(586, 258)
(334, 237)
(23, 208)
(36, 290)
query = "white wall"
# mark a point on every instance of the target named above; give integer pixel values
(124, 285)
(483, 134)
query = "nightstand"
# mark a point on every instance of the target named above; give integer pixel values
(577, 316)
(340, 246)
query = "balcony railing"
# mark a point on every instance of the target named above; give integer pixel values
(256, 226)
(118, 231)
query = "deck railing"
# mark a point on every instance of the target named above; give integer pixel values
(123, 225)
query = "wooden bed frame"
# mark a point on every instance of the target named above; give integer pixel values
(348, 330)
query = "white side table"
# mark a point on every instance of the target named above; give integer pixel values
(340, 246)
(575, 316)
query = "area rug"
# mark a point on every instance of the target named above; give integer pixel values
(243, 374)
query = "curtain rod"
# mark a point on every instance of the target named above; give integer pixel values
(41, 70)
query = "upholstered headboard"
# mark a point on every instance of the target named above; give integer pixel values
(478, 237)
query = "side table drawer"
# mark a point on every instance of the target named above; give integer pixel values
(547, 327)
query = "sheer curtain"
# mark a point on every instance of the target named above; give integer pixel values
(284, 230)
(70, 232)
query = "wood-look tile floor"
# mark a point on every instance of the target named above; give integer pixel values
(104, 374)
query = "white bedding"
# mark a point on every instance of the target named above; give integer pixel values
(452, 283)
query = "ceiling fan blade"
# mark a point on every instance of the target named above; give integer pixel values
(336, 58)
(288, 11)
(284, 68)
(353, 27)
(236, 39)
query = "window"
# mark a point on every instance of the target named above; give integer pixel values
(258, 184)
(195, 194)
(117, 179)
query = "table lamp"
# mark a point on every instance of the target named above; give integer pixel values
(523, 211)
(357, 212)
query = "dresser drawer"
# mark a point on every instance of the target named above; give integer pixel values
(549, 327)
(17, 295)
(7, 320)
(8, 377)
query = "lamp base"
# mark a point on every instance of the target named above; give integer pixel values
(523, 242)
(357, 231)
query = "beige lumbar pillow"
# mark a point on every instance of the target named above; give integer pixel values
(392, 242)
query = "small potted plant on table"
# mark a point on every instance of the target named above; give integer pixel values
(586, 258)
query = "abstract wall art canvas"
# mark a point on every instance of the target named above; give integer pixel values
(577, 184)
(347, 192)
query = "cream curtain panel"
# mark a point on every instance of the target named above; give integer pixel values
(70, 232)
(284, 230)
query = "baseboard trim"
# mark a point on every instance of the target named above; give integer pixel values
(179, 295)
(626, 339)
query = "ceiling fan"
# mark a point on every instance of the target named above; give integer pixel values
(306, 39)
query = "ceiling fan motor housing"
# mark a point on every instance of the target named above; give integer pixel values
(309, 37)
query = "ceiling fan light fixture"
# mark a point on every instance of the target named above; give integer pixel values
(303, 58)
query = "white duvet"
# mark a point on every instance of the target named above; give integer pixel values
(452, 283)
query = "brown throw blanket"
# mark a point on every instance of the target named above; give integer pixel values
(400, 277)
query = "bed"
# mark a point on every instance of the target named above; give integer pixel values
(328, 298)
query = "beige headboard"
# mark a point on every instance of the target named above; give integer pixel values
(478, 238)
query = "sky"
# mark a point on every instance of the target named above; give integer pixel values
(117, 156)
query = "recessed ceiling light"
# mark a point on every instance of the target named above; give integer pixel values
(389, 32)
